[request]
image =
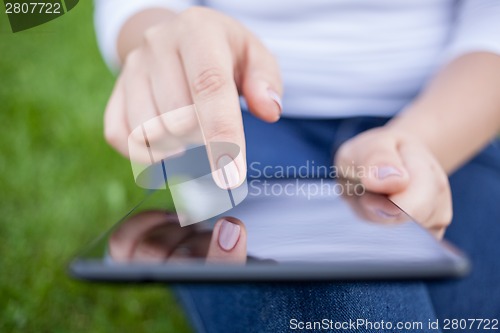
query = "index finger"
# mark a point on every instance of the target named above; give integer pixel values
(208, 64)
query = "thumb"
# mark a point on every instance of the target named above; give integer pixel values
(380, 169)
(228, 243)
(385, 171)
(261, 83)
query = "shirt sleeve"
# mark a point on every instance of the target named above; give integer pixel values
(110, 15)
(477, 28)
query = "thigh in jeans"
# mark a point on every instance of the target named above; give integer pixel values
(476, 230)
(279, 307)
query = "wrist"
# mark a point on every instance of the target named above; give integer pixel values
(425, 127)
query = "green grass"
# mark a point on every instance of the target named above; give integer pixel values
(61, 185)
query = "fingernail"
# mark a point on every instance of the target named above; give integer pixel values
(227, 171)
(276, 98)
(387, 171)
(229, 234)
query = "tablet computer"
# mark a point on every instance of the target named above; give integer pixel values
(289, 230)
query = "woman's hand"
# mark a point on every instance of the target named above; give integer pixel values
(387, 161)
(203, 57)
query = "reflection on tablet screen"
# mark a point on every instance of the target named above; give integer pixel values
(284, 222)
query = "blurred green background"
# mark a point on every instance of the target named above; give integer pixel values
(61, 185)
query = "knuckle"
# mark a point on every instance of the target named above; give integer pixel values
(223, 132)
(114, 136)
(209, 82)
(192, 12)
(154, 42)
(193, 15)
(133, 59)
(111, 136)
(151, 36)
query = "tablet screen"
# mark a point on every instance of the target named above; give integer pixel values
(289, 229)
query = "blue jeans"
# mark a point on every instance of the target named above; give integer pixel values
(270, 307)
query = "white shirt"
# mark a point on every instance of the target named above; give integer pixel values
(342, 58)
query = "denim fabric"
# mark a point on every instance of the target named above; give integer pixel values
(262, 308)
(293, 142)
(269, 307)
(476, 231)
